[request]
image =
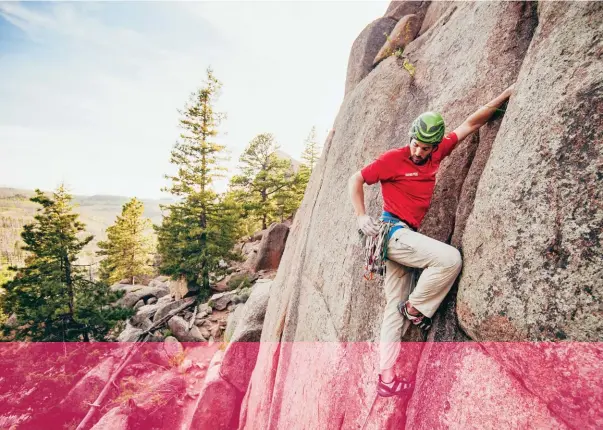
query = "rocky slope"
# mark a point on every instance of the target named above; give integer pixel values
(179, 364)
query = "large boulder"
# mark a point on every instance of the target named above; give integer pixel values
(76, 403)
(12, 321)
(173, 349)
(271, 249)
(364, 49)
(320, 309)
(115, 419)
(241, 354)
(164, 309)
(233, 320)
(403, 33)
(146, 312)
(220, 301)
(242, 277)
(218, 403)
(160, 282)
(130, 333)
(156, 401)
(180, 289)
(179, 328)
(399, 9)
(134, 293)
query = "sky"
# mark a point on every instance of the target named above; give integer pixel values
(90, 91)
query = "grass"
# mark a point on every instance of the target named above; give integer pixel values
(239, 281)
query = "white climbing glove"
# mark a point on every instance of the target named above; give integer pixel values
(367, 225)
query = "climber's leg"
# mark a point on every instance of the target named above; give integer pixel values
(442, 264)
(397, 287)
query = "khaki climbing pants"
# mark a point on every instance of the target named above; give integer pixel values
(441, 264)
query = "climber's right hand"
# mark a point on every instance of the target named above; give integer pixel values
(367, 225)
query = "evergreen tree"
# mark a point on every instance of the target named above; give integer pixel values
(310, 156)
(50, 296)
(198, 231)
(128, 248)
(5, 273)
(312, 151)
(265, 178)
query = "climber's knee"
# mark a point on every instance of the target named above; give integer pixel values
(452, 259)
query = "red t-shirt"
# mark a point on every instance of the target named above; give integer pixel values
(406, 187)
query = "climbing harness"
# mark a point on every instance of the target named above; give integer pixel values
(375, 247)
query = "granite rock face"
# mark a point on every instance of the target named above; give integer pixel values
(533, 244)
(320, 306)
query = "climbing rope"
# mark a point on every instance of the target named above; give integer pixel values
(375, 250)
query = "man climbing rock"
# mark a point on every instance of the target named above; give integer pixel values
(407, 177)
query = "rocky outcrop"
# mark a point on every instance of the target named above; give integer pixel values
(520, 198)
(399, 9)
(403, 33)
(533, 241)
(271, 249)
(241, 354)
(532, 244)
(467, 54)
(364, 50)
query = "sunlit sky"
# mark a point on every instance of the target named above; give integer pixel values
(90, 92)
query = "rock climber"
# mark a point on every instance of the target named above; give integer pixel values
(407, 176)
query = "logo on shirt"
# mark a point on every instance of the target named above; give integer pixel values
(412, 174)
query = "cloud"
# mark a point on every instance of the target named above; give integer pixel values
(99, 84)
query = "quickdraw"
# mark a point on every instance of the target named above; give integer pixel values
(375, 251)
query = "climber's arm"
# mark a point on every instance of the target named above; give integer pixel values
(482, 115)
(356, 190)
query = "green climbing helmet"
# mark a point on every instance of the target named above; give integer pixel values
(428, 128)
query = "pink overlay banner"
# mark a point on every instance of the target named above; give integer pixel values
(168, 385)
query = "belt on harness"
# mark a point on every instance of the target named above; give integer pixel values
(392, 219)
(375, 247)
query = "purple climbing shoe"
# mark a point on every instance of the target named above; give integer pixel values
(397, 387)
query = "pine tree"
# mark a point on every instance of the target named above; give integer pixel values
(195, 236)
(128, 248)
(264, 177)
(50, 296)
(310, 156)
(312, 151)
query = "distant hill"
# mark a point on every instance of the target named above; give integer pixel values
(98, 212)
(295, 163)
